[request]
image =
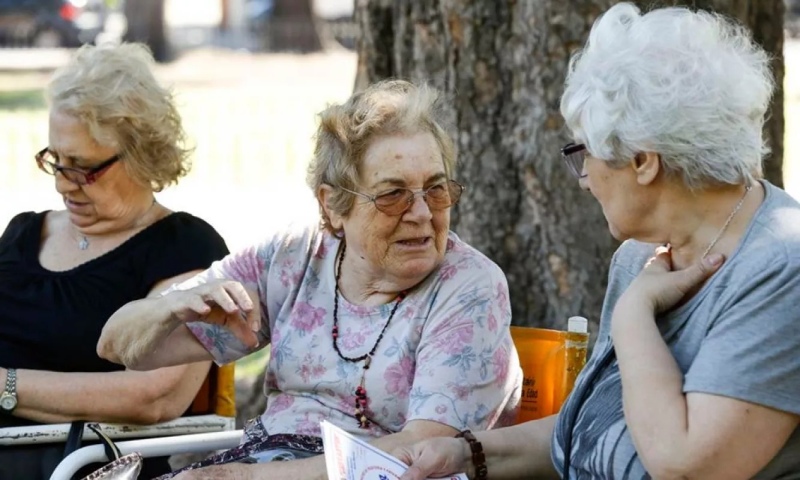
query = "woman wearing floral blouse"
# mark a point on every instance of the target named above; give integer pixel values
(380, 319)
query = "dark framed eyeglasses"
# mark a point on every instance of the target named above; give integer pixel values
(48, 163)
(574, 154)
(398, 200)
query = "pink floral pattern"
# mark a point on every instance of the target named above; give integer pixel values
(447, 355)
(398, 377)
(500, 365)
(307, 317)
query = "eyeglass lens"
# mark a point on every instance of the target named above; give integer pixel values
(438, 197)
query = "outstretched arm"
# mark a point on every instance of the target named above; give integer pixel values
(117, 397)
(152, 333)
(518, 452)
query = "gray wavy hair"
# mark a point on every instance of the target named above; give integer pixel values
(690, 86)
(345, 132)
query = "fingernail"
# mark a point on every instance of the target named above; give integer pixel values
(714, 259)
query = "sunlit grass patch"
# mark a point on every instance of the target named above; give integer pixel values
(32, 99)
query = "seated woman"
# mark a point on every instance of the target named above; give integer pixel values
(380, 319)
(695, 373)
(115, 139)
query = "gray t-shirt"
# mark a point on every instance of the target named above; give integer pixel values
(738, 337)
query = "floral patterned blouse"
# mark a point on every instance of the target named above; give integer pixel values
(446, 356)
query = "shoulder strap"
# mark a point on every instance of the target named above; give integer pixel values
(74, 437)
(112, 451)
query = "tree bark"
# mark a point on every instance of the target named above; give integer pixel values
(292, 27)
(250, 399)
(502, 63)
(225, 18)
(145, 20)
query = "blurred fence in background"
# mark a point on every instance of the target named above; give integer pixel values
(341, 32)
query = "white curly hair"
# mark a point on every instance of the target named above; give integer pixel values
(690, 86)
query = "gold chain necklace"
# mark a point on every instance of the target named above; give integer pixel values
(728, 221)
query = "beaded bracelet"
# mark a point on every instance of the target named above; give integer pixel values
(478, 458)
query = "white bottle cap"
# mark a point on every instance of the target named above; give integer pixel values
(578, 325)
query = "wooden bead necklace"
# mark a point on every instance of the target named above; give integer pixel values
(361, 393)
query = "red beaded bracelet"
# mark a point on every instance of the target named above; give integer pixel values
(478, 458)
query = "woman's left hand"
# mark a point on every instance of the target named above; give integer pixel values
(229, 471)
(660, 287)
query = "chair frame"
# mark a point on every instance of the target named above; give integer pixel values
(151, 447)
(55, 433)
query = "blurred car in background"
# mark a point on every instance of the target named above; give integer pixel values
(51, 23)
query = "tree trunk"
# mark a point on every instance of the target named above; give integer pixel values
(292, 27)
(225, 18)
(250, 399)
(145, 20)
(765, 20)
(502, 64)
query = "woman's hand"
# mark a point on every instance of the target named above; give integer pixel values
(660, 288)
(226, 303)
(437, 457)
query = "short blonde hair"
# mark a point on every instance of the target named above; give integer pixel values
(112, 90)
(345, 131)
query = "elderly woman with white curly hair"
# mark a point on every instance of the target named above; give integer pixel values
(695, 372)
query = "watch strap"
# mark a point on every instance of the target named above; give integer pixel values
(11, 381)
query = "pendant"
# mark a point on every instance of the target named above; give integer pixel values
(361, 406)
(84, 243)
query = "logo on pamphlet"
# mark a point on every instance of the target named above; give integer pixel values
(350, 458)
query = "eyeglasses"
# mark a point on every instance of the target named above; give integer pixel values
(399, 200)
(574, 156)
(48, 163)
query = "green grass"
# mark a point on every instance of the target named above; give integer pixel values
(251, 365)
(22, 99)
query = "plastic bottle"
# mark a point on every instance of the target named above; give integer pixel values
(576, 347)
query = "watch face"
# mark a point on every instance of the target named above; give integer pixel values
(8, 402)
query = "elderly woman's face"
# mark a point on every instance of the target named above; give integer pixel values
(404, 248)
(625, 205)
(111, 196)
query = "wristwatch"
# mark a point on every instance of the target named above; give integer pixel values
(8, 399)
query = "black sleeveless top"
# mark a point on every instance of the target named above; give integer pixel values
(52, 320)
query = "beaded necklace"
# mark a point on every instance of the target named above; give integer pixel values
(361, 393)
